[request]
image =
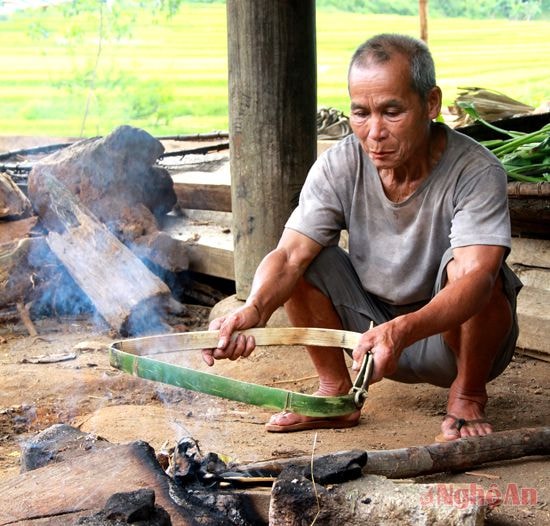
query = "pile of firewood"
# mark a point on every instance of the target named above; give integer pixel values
(87, 232)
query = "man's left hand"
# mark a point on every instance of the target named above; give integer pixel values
(383, 343)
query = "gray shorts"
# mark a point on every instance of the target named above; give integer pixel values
(426, 361)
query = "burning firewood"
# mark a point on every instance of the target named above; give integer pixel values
(116, 179)
(99, 200)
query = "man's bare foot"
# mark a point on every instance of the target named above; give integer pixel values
(465, 415)
(288, 422)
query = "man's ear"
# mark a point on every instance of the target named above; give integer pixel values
(434, 102)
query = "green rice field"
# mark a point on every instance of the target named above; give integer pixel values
(169, 75)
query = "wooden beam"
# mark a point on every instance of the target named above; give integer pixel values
(272, 120)
(206, 190)
(213, 261)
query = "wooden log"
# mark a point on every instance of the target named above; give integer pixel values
(272, 120)
(457, 455)
(116, 179)
(119, 285)
(63, 491)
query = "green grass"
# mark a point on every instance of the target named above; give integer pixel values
(169, 76)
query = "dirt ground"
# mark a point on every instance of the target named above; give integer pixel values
(85, 391)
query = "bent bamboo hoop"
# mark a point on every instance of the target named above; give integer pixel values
(133, 356)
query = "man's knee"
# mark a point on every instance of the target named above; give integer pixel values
(310, 307)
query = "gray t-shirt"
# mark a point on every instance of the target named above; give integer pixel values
(396, 248)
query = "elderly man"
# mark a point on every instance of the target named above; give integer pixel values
(429, 230)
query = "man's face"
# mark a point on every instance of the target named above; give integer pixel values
(390, 120)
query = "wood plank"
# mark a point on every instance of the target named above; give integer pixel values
(204, 196)
(531, 252)
(61, 492)
(210, 247)
(213, 261)
(535, 277)
(534, 319)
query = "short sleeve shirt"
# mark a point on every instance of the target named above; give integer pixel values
(396, 248)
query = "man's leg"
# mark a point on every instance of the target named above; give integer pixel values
(309, 307)
(476, 344)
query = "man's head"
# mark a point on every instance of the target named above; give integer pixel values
(380, 49)
(394, 98)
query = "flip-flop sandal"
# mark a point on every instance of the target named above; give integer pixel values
(458, 423)
(324, 423)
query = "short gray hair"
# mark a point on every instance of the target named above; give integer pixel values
(381, 48)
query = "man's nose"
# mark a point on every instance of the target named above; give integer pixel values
(377, 128)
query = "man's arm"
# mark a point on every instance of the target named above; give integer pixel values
(471, 275)
(273, 282)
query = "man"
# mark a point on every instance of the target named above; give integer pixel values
(427, 216)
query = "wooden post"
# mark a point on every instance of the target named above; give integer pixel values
(423, 13)
(272, 121)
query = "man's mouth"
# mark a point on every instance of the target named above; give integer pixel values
(379, 154)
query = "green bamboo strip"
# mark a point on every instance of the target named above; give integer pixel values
(131, 356)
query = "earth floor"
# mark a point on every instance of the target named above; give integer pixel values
(77, 385)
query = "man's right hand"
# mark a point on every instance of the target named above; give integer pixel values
(231, 346)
